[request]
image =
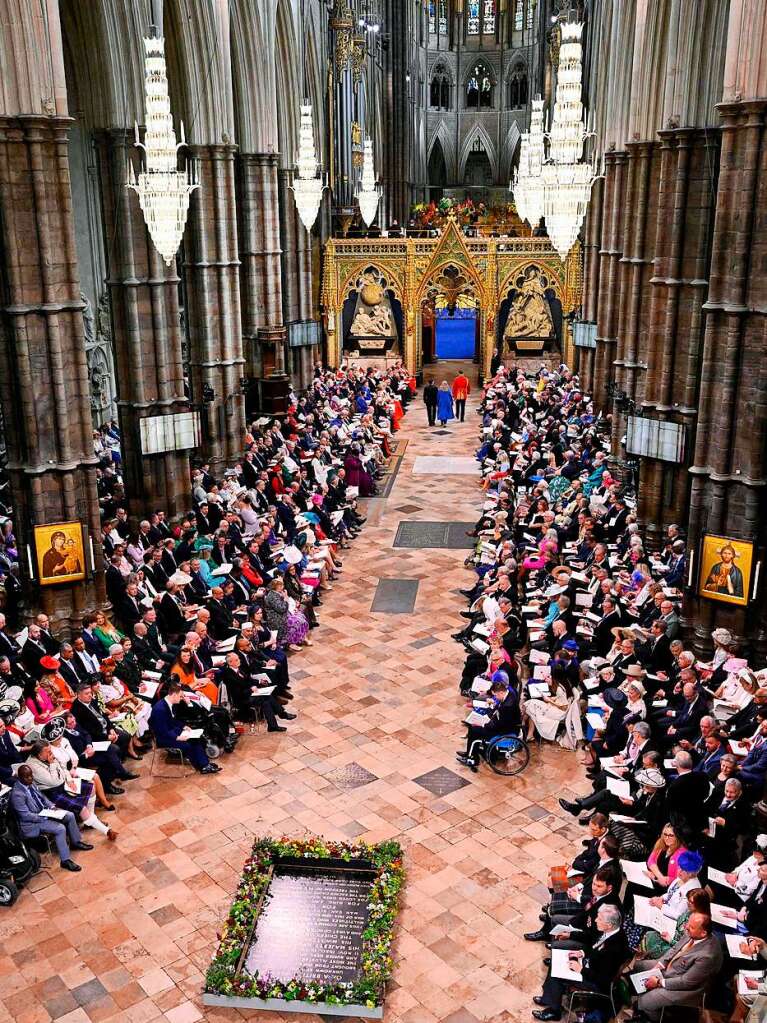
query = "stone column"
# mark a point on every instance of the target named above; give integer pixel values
(146, 327)
(728, 489)
(591, 270)
(212, 287)
(43, 371)
(610, 254)
(260, 258)
(675, 331)
(296, 274)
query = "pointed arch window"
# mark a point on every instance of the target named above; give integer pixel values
(439, 90)
(518, 87)
(479, 88)
(473, 20)
(488, 17)
(438, 16)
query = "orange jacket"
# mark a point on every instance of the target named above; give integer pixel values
(461, 388)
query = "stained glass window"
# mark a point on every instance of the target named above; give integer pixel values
(530, 12)
(473, 26)
(432, 16)
(443, 17)
(488, 17)
(519, 15)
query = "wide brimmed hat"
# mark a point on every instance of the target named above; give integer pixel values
(9, 709)
(53, 729)
(615, 698)
(50, 663)
(180, 578)
(570, 644)
(651, 778)
(722, 636)
(635, 671)
(735, 664)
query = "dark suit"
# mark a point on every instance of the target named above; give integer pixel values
(686, 799)
(239, 685)
(50, 643)
(9, 647)
(31, 654)
(599, 968)
(221, 624)
(173, 618)
(9, 755)
(129, 611)
(167, 728)
(68, 671)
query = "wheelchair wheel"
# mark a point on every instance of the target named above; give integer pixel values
(8, 892)
(507, 755)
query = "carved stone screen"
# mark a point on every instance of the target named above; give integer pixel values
(311, 925)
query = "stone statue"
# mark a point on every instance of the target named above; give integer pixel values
(530, 314)
(375, 322)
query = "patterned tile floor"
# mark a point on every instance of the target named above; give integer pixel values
(129, 938)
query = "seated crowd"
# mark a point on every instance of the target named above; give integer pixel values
(573, 636)
(207, 612)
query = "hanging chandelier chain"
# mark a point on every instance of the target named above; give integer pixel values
(163, 190)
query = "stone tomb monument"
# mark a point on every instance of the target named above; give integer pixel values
(310, 928)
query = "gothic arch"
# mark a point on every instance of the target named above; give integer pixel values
(199, 69)
(478, 132)
(255, 115)
(517, 84)
(651, 56)
(447, 142)
(440, 88)
(509, 150)
(289, 84)
(481, 72)
(394, 282)
(555, 276)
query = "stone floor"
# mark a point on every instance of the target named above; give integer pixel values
(129, 938)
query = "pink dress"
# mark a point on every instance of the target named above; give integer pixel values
(42, 706)
(544, 547)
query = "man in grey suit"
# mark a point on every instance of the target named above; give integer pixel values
(28, 801)
(688, 968)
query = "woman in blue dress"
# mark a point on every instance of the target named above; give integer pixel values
(444, 403)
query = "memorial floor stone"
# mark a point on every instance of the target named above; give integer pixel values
(446, 465)
(441, 781)
(421, 535)
(311, 927)
(395, 596)
(351, 776)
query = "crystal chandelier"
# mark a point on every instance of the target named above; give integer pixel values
(308, 186)
(527, 184)
(566, 180)
(369, 194)
(163, 190)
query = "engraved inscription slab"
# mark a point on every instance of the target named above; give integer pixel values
(441, 781)
(449, 535)
(311, 927)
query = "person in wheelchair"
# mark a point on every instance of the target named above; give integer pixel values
(504, 719)
(596, 966)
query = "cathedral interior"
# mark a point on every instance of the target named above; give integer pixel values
(358, 189)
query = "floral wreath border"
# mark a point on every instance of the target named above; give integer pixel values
(225, 975)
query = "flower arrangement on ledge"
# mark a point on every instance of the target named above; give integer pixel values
(222, 977)
(434, 214)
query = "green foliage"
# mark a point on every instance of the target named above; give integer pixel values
(222, 977)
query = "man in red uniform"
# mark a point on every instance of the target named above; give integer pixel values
(461, 388)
